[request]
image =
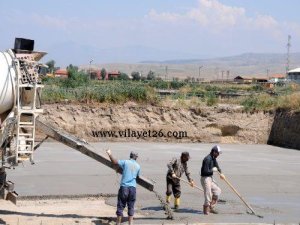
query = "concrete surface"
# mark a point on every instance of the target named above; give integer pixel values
(266, 176)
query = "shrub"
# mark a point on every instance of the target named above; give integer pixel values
(211, 98)
(159, 84)
(291, 101)
(75, 79)
(113, 92)
(259, 102)
(175, 84)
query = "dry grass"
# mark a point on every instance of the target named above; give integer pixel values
(291, 101)
(193, 102)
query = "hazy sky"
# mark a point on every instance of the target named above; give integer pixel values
(198, 27)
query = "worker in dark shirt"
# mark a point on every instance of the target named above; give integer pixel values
(211, 190)
(176, 167)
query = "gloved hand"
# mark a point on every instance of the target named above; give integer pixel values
(215, 169)
(222, 176)
(108, 151)
(174, 175)
(192, 183)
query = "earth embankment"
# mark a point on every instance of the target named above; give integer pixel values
(285, 130)
(133, 122)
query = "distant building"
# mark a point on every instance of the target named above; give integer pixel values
(62, 73)
(294, 75)
(94, 74)
(260, 80)
(276, 78)
(242, 80)
(113, 75)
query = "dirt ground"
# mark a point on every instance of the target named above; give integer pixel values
(57, 211)
(219, 124)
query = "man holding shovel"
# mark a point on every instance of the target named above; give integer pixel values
(176, 167)
(211, 189)
(127, 192)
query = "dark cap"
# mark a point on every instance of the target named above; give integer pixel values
(133, 155)
(217, 149)
(186, 154)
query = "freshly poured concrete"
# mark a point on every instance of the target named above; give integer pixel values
(266, 176)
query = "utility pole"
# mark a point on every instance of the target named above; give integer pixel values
(217, 73)
(90, 72)
(166, 73)
(227, 74)
(268, 73)
(200, 73)
(223, 75)
(288, 54)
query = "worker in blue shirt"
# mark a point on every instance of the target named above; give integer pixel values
(127, 192)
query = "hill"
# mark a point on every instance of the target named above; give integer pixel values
(248, 64)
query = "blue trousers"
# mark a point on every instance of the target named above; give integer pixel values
(126, 196)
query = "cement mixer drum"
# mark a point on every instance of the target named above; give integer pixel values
(7, 82)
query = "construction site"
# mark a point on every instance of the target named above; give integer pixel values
(54, 171)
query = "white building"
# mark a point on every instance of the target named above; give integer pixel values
(294, 75)
(277, 78)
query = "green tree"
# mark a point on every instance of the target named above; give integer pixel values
(136, 75)
(51, 66)
(103, 73)
(72, 68)
(123, 76)
(151, 75)
(75, 78)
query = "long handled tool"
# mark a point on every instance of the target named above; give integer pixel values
(185, 181)
(238, 194)
(200, 189)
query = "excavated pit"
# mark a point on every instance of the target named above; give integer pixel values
(207, 125)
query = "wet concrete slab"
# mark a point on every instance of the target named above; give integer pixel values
(266, 176)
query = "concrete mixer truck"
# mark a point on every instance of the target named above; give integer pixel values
(20, 89)
(20, 105)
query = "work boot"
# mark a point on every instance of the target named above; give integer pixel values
(206, 209)
(213, 210)
(119, 220)
(130, 220)
(168, 199)
(213, 202)
(176, 203)
(212, 206)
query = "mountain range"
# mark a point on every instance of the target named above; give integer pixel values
(170, 63)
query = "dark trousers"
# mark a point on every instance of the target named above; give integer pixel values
(126, 196)
(173, 186)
